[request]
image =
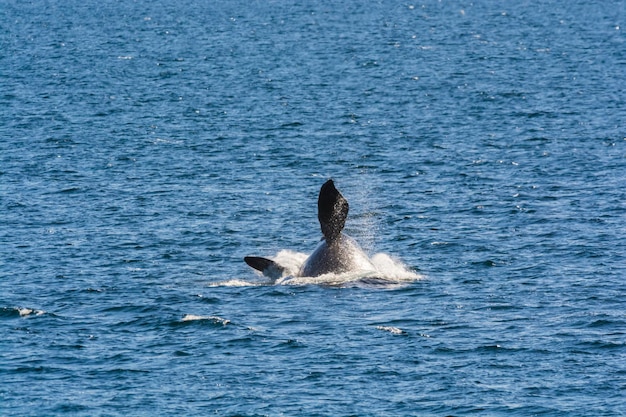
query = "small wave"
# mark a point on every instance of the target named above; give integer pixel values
(212, 319)
(391, 329)
(236, 283)
(21, 312)
(25, 312)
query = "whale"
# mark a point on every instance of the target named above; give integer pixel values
(336, 253)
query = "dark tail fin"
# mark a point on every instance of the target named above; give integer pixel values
(268, 267)
(332, 211)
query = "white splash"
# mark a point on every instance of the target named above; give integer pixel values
(393, 269)
(389, 272)
(291, 261)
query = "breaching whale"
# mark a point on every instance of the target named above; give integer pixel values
(336, 253)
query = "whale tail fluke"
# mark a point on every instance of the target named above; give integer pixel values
(332, 211)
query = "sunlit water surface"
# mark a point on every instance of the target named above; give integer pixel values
(147, 147)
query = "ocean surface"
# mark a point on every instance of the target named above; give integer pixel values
(146, 147)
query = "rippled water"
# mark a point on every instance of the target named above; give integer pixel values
(147, 147)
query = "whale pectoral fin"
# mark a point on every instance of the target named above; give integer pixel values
(332, 210)
(268, 267)
(258, 263)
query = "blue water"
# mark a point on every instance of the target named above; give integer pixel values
(147, 147)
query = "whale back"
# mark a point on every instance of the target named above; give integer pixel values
(341, 255)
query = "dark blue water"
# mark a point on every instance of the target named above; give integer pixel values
(146, 147)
